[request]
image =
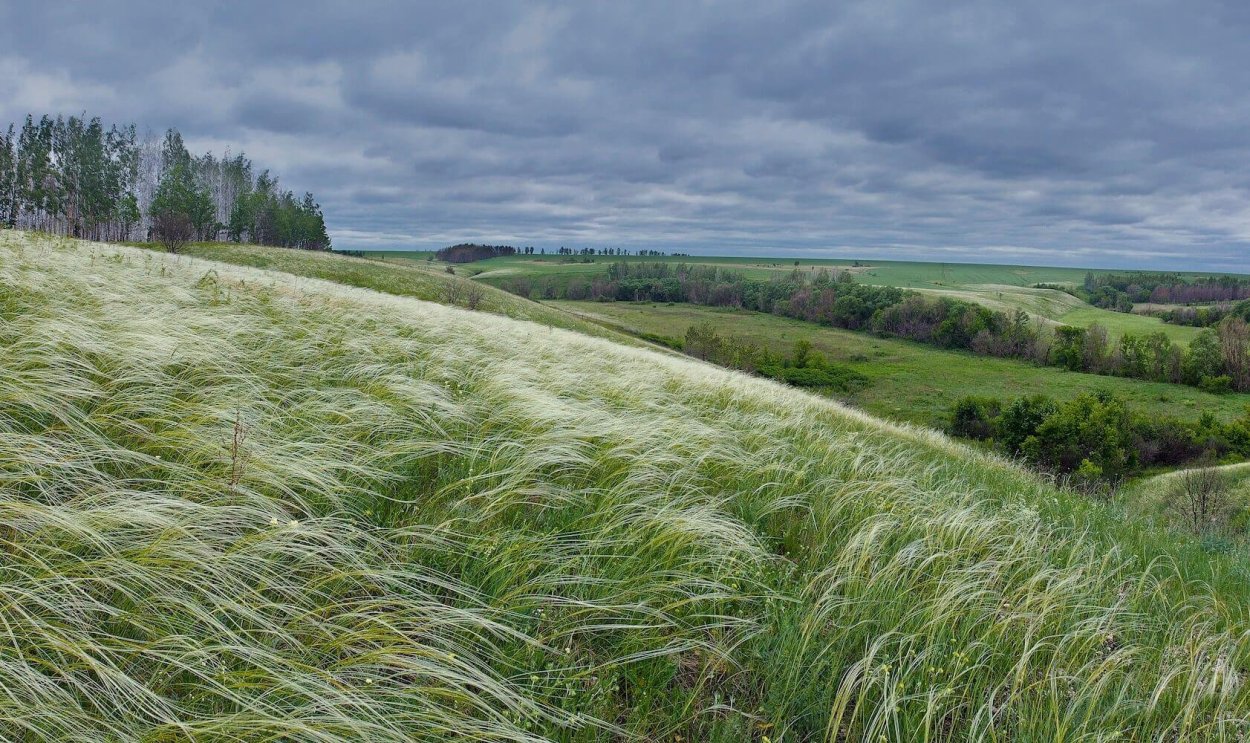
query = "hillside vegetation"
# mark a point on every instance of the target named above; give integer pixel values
(405, 280)
(909, 381)
(240, 506)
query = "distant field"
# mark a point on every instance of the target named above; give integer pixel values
(1118, 323)
(910, 382)
(400, 255)
(911, 274)
(999, 287)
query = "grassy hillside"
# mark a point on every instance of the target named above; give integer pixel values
(910, 381)
(407, 279)
(240, 506)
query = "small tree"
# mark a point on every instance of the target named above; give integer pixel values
(702, 341)
(452, 292)
(172, 230)
(473, 295)
(1200, 499)
(178, 208)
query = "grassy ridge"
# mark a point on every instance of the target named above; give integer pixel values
(406, 279)
(239, 506)
(910, 381)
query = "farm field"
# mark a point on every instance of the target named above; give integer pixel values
(244, 503)
(910, 381)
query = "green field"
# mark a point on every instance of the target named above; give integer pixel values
(999, 287)
(910, 381)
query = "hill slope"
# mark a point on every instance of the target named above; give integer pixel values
(409, 279)
(239, 506)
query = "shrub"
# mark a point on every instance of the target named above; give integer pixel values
(837, 378)
(1220, 385)
(974, 417)
(1022, 418)
(1200, 499)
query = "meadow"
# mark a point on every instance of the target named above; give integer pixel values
(240, 504)
(910, 381)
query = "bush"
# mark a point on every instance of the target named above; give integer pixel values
(172, 230)
(1220, 385)
(973, 418)
(1096, 428)
(837, 378)
(1200, 499)
(1021, 419)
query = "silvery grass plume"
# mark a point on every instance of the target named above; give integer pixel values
(239, 505)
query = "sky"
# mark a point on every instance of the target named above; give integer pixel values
(1051, 133)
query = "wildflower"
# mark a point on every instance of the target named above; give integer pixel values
(368, 681)
(273, 520)
(293, 523)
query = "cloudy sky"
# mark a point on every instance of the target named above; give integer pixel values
(1067, 133)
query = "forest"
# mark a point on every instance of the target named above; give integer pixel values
(77, 177)
(469, 252)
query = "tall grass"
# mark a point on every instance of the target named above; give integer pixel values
(237, 505)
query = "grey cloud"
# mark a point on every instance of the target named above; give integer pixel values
(1064, 132)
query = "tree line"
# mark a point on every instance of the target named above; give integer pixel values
(469, 252)
(1207, 299)
(1204, 317)
(1218, 360)
(75, 176)
(1118, 291)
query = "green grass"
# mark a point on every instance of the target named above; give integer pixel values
(239, 505)
(909, 381)
(1119, 323)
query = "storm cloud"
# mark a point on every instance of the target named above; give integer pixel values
(1069, 133)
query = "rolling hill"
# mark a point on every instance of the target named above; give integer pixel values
(237, 504)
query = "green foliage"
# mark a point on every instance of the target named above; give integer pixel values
(974, 418)
(1096, 436)
(1090, 431)
(833, 378)
(1022, 418)
(179, 196)
(73, 176)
